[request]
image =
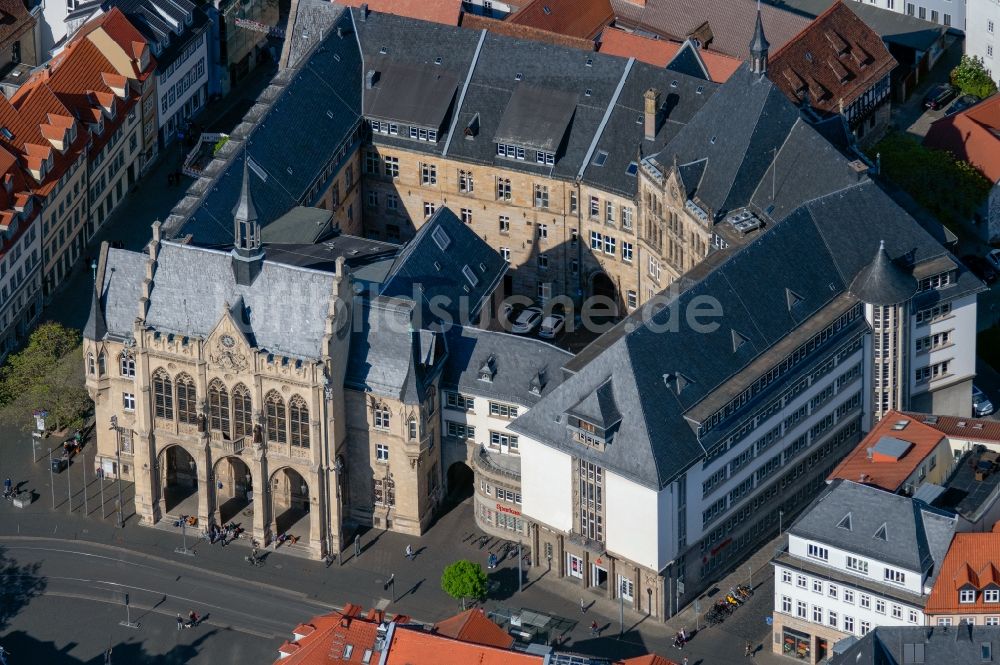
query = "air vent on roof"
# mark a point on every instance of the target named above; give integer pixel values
(809, 56)
(587, 92)
(336, 56)
(590, 62)
(744, 221)
(7, 134)
(977, 425)
(639, 119)
(632, 168)
(383, 50)
(845, 523)
(519, 76)
(900, 424)
(600, 158)
(546, 10)
(930, 420)
(712, 140)
(437, 60)
(329, 114)
(738, 341)
(880, 533)
(482, 267)
(792, 298)
(437, 266)
(289, 169)
(960, 423)
(700, 89)
(441, 238)
(673, 84)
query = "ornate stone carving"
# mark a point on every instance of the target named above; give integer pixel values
(227, 355)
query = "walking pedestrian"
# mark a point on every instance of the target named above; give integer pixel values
(8, 487)
(409, 552)
(749, 650)
(192, 619)
(180, 621)
(594, 630)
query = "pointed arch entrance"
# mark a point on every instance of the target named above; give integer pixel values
(178, 473)
(290, 499)
(233, 489)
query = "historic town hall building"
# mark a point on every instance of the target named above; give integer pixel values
(311, 328)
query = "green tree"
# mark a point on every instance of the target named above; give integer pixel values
(47, 374)
(464, 579)
(971, 77)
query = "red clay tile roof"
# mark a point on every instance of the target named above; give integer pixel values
(975, 429)
(972, 136)
(659, 52)
(577, 18)
(416, 647)
(326, 637)
(476, 22)
(972, 561)
(730, 22)
(888, 474)
(648, 659)
(473, 626)
(436, 11)
(837, 58)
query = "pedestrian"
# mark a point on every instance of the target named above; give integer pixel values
(685, 661)
(180, 621)
(192, 619)
(583, 607)
(749, 651)
(594, 630)
(8, 487)
(409, 552)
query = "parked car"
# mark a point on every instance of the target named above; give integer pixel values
(527, 320)
(981, 404)
(994, 258)
(552, 326)
(962, 103)
(938, 96)
(981, 268)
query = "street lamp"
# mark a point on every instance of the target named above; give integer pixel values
(93, 268)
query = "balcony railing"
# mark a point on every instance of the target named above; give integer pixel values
(486, 462)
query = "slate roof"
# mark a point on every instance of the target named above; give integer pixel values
(536, 117)
(916, 536)
(816, 251)
(518, 361)
(417, 95)
(731, 24)
(883, 281)
(436, 277)
(388, 356)
(321, 95)
(901, 645)
(561, 72)
(835, 60)
(300, 225)
(287, 306)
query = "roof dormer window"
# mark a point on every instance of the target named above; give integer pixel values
(488, 369)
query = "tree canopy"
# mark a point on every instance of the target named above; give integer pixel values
(971, 77)
(464, 579)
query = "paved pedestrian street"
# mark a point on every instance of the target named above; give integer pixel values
(84, 565)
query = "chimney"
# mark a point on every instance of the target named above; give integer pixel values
(652, 105)
(364, 12)
(371, 78)
(859, 168)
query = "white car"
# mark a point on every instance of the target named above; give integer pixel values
(552, 326)
(527, 320)
(994, 258)
(981, 404)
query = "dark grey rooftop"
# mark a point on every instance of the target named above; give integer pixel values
(907, 645)
(358, 253)
(965, 494)
(688, 61)
(300, 225)
(411, 94)
(883, 282)
(598, 408)
(518, 361)
(287, 306)
(536, 117)
(884, 526)
(447, 269)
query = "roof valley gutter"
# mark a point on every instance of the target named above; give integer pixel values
(461, 97)
(604, 120)
(361, 52)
